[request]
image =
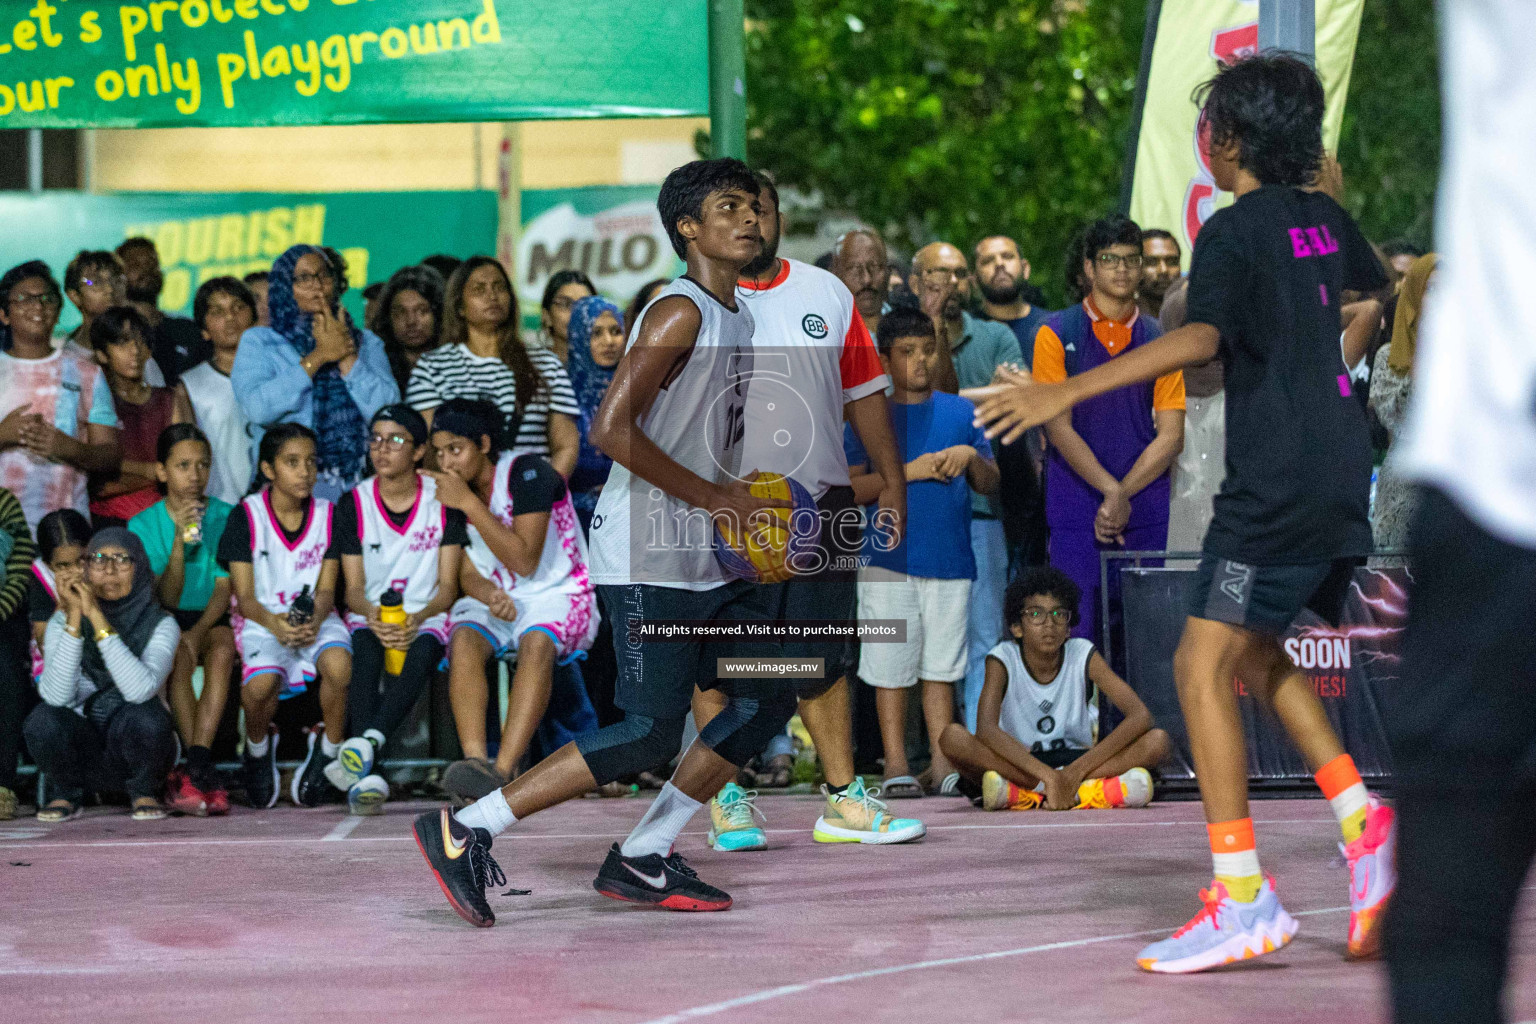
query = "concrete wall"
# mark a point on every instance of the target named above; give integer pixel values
(388, 157)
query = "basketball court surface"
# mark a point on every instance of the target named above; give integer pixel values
(291, 914)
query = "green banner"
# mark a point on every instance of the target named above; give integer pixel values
(612, 233)
(180, 63)
(203, 235)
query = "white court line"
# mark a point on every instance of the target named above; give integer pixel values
(601, 835)
(343, 828)
(879, 972)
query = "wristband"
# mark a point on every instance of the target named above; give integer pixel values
(104, 632)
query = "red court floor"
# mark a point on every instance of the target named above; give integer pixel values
(292, 915)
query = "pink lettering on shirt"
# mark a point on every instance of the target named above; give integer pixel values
(1344, 391)
(1312, 242)
(1322, 290)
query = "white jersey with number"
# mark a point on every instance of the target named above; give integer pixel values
(1056, 716)
(562, 567)
(280, 569)
(811, 355)
(641, 534)
(402, 558)
(1471, 428)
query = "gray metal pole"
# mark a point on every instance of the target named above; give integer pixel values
(1288, 25)
(34, 159)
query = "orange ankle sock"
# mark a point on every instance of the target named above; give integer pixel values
(1346, 794)
(1236, 858)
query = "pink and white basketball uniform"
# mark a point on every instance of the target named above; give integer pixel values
(558, 598)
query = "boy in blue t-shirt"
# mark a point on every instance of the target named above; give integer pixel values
(925, 579)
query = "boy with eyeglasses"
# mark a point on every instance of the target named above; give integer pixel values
(1037, 725)
(1106, 472)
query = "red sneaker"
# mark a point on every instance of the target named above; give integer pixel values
(218, 800)
(182, 797)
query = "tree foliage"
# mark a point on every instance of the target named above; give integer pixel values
(948, 119)
(1390, 145)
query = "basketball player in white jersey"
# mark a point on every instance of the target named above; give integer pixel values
(279, 550)
(223, 309)
(672, 424)
(1037, 722)
(813, 363)
(393, 535)
(1463, 730)
(525, 585)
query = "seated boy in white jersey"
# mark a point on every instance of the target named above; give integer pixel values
(223, 310)
(280, 552)
(524, 582)
(1036, 742)
(401, 550)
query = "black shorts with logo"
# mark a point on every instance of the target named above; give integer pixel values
(656, 677)
(1267, 598)
(828, 593)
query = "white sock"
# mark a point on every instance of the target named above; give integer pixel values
(490, 812)
(254, 748)
(662, 824)
(375, 737)
(327, 747)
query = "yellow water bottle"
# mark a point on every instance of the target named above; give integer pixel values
(392, 610)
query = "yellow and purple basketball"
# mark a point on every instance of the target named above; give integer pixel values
(776, 542)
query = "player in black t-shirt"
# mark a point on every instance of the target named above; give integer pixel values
(1291, 522)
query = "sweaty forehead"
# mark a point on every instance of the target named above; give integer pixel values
(728, 195)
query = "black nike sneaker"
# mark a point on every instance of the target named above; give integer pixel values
(310, 787)
(260, 774)
(661, 881)
(461, 859)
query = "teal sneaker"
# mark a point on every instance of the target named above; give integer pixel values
(731, 824)
(855, 816)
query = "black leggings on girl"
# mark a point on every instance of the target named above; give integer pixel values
(375, 701)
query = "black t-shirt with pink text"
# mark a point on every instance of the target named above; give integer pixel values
(1269, 273)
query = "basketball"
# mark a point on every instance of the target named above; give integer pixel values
(769, 547)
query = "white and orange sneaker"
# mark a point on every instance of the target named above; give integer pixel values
(1224, 932)
(998, 794)
(1372, 877)
(1130, 789)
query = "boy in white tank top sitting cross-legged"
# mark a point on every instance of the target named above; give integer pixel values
(1036, 742)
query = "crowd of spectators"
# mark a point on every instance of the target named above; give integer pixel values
(159, 475)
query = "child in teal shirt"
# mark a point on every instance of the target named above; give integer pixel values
(181, 536)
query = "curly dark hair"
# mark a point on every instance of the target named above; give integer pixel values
(1108, 231)
(686, 188)
(1041, 581)
(1271, 105)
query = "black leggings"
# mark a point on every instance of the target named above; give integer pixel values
(640, 743)
(1464, 744)
(16, 693)
(376, 702)
(134, 753)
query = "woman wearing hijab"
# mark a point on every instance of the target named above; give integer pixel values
(314, 367)
(1391, 386)
(595, 341)
(107, 651)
